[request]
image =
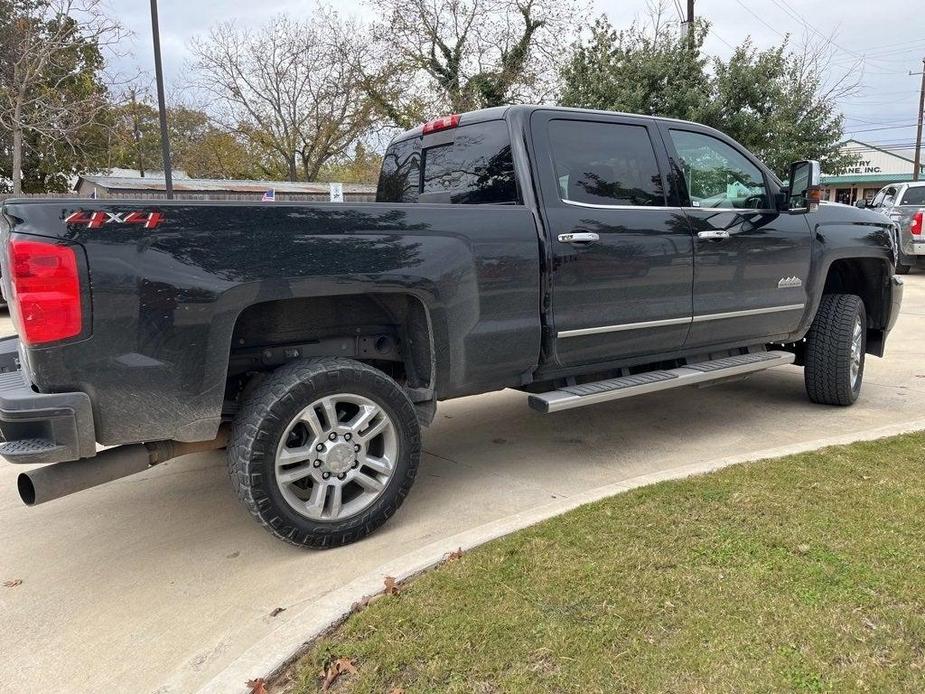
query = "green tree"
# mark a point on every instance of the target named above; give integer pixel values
(652, 70)
(198, 146)
(52, 94)
(772, 101)
(362, 167)
(775, 103)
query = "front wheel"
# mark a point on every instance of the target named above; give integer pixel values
(324, 451)
(835, 350)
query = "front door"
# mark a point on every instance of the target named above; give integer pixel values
(751, 261)
(621, 255)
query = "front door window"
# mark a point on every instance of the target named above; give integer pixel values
(717, 175)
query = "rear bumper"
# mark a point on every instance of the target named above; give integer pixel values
(40, 427)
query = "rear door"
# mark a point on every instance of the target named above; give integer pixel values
(751, 261)
(621, 253)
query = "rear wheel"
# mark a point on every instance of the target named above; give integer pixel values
(324, 451)
(835, 350)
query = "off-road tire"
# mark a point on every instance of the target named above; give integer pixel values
(260, 424)
(828, 350)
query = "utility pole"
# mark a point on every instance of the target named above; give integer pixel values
(918, 130)
(690, 23)
(161, 103)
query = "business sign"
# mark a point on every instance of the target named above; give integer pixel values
(862, 166)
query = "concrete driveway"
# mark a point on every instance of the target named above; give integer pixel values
(159, 581)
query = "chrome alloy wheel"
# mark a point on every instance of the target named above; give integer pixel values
(857, 351)
(336, 457)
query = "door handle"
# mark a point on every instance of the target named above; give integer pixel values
(579, 237)
(717, 235)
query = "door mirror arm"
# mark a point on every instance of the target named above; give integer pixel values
(782, 199)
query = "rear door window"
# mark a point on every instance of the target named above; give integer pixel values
(914, 196)
(608, 164)
(475, 167)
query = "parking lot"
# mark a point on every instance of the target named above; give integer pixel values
(157, 582)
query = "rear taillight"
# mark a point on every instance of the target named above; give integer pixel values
(916, 227)
(45, 285)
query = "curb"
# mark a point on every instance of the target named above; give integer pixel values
(277, 648)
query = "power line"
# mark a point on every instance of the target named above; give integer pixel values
(717, 36)
(758, 17)
(889, 127)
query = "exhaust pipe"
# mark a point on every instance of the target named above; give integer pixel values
(62, 479)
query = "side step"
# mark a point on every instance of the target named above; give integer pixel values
(654, 381)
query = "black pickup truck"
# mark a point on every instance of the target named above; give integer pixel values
(579, 256)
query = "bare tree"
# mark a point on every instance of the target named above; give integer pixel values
(46, 44)
(469, 54)
(285, 88)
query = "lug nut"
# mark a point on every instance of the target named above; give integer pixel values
(325, 475)
(347, 437)
(319, 447)
(356, 464)
(356, 448)
(317, 463)
(332, 436)
(342, 475)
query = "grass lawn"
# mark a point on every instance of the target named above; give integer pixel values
(805, 573)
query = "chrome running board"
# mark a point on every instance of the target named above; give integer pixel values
(654, 381)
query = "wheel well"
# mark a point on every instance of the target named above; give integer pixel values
(868, 278)
(388, 331)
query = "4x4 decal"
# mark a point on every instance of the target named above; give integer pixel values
(96, 220)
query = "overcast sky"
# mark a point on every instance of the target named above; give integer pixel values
(889, 35)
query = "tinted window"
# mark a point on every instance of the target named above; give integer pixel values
(717, 174)
(605, 163)
(476, 168)
(914, 196)
(400, 178)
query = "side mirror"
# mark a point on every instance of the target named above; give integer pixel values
(861, 204)
(805, 187)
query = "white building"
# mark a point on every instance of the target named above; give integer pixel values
(875, 168)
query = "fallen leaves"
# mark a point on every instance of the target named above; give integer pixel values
(391, 587)
(13, 583)
(453, 556)
(257, 686)
(335, 670)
